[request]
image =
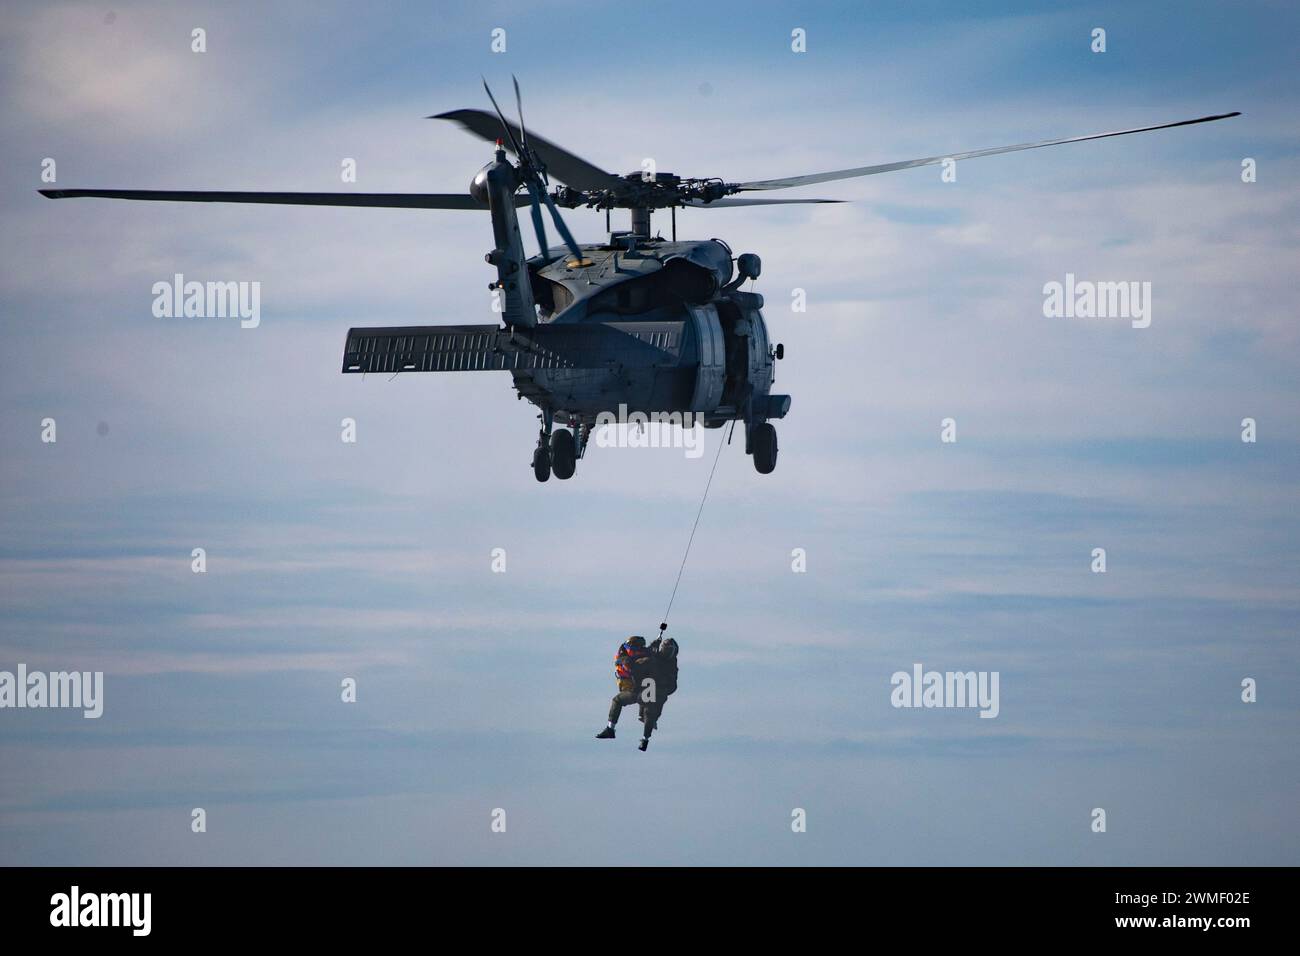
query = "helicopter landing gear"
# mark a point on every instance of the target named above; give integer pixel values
(762, 441)
(564, 454)
(542, 454)
(542, 463)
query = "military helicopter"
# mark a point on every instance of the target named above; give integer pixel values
(638, 323)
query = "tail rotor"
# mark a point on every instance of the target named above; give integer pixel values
(533, 174)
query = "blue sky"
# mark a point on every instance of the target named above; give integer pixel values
(481, 690)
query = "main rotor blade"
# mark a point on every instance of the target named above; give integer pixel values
(752, 202)
(560, 163)
(378, 200)
(793, 181)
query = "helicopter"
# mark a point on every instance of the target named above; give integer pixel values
(639, 323)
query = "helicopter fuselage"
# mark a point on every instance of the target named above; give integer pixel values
(638, 324)
(702, 344)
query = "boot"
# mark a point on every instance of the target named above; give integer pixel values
(644, 744)
(606, 734)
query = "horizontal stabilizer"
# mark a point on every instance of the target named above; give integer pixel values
(474, 348)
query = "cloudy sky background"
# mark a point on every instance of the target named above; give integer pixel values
(481, 690)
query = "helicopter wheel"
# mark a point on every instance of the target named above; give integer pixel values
(564, 453)
(764, 444)
(542, 463)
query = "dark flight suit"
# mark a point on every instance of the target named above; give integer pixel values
(663, 670)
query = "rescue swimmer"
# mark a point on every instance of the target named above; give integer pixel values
(646, 675)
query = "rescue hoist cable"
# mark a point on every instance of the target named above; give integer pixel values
(689, 541)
